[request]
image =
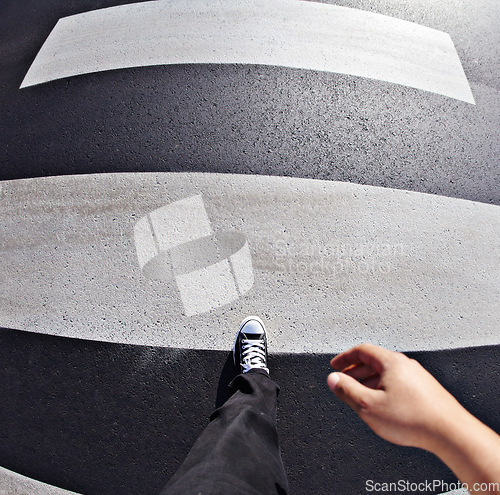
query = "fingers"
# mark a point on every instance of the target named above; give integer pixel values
(359, 371)
(351, 391)
(372, 382)
(365, 354)
(364, 374)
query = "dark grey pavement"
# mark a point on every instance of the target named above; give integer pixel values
(104, 418)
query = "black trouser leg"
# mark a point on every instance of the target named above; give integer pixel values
(238, 453)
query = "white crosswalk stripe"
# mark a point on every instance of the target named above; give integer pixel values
(289, 33)
(343, 262)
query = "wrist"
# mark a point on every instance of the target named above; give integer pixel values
(449, 431)
(469, 448)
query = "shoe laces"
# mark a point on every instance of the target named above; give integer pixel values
(253, 354)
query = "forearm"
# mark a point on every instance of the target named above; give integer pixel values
(472, 451)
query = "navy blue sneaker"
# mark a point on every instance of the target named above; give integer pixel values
(250, 345)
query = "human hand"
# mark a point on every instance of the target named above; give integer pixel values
(398, 399)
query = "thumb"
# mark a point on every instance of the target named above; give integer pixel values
(350, 390)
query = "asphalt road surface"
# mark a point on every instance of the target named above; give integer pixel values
(254, 119)
(143, 135)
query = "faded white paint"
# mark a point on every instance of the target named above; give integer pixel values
(289, 33)
(145, 243)
(207, 288)
(243, 271)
